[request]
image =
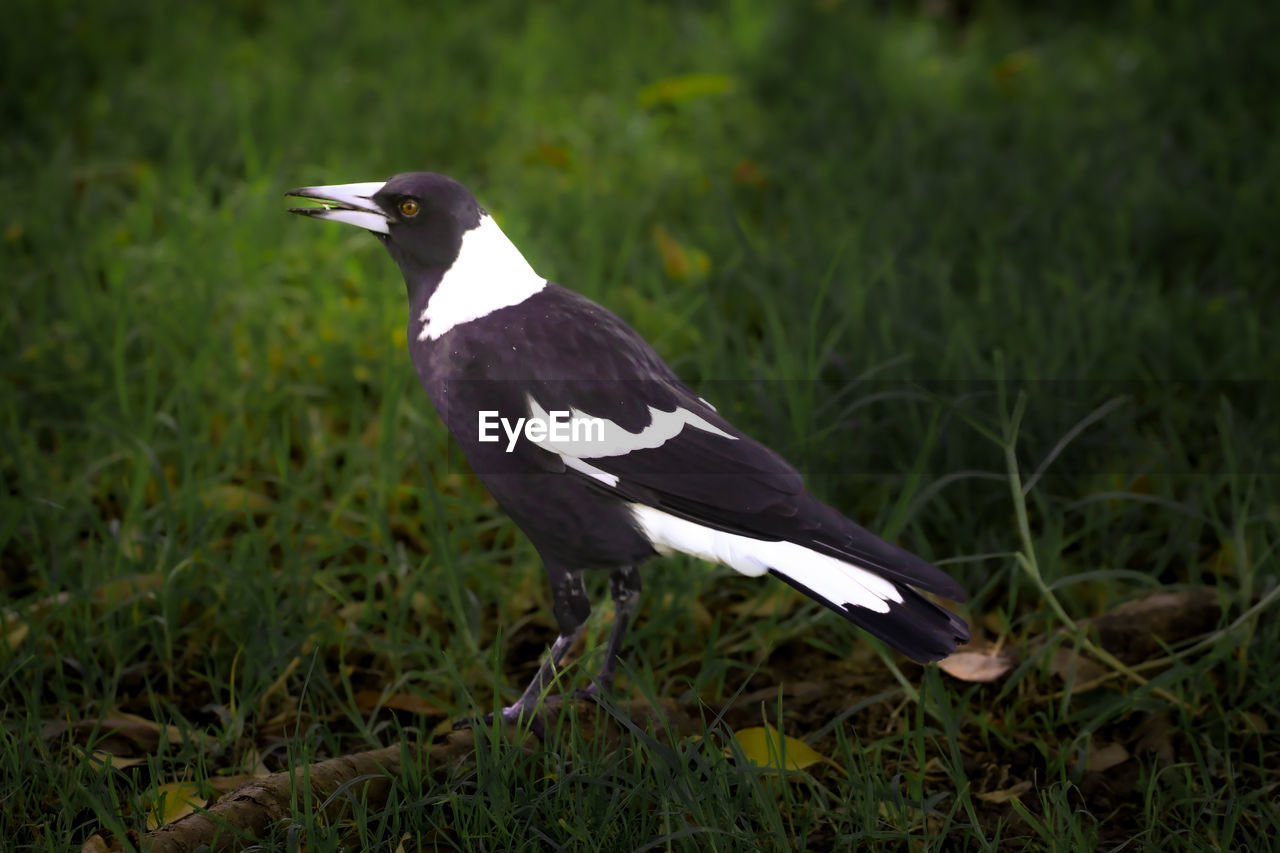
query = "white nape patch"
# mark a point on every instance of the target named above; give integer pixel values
(837, 581)
(489, 273)
(610, 439)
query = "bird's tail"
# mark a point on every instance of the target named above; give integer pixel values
(904, 619)
(877, 595)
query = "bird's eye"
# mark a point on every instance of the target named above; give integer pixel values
(409, 207)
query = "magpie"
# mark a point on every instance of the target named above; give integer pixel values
(594, 447)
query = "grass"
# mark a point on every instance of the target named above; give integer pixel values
(999, 281)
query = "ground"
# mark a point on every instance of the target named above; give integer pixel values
(997, 277)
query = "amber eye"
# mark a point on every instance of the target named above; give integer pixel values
(409, 207)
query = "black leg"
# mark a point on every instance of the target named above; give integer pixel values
(571, 608)
(532, 694)
(624, 589)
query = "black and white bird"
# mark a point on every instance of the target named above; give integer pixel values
(594, 447)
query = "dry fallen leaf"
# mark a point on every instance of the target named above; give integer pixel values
(233, 496)
(1155, 736)
(95, 844)
(1102, 760)
(368, 700)
(220, 785)
(1138, 631)
(978, 661)
(679, 261)
(125, 735)
(1251, 722)
(1007, 794)
(15, 630)
(124, 589)
(1070, 665)
(748, 173)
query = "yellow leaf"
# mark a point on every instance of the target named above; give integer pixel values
(679, 262)
(765, 746)
(15, 630)
(685, 87)
(125, 589)
(748, 173)
(673, 257)
(234, 496)
(1013, 66)
(1252, 723)
(106, 759)
(174, 800)
(556, 156)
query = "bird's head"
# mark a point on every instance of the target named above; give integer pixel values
(457, 264)
(420, 216)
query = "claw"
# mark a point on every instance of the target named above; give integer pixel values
(511, 716)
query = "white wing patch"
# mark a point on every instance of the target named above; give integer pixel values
(835, 580)
(590, 470)
(489, 273)
(599, 438)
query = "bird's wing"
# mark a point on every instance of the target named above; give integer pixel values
(660, 445)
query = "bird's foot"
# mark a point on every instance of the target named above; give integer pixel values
(513, 715)
(594, 690)
(530, 713)
(472, 722)
(529, 718)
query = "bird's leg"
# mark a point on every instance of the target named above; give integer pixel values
(624, 589)
(532, 694)
(571, 608)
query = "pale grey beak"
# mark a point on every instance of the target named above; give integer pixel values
(349, 203)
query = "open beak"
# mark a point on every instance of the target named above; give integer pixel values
(349, 203)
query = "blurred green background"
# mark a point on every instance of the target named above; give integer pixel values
(905, 243)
